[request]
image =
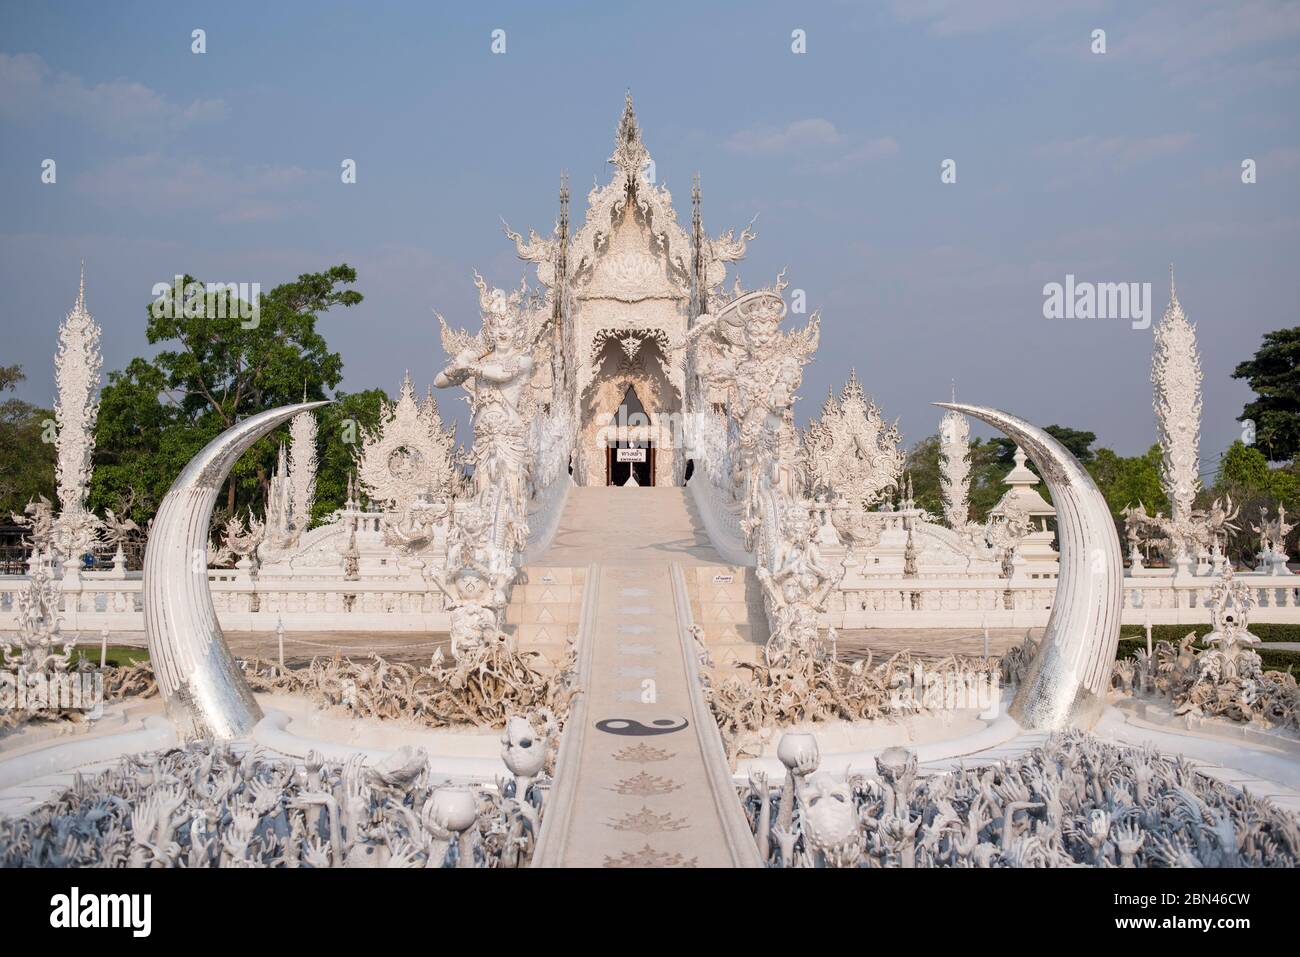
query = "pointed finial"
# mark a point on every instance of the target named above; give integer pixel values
(81, 291)
(1173, 293)
(629, 152)
(954, 390)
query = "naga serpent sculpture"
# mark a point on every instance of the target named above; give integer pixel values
(202, 688)
(1066, 683)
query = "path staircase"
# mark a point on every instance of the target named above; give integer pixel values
(641, 779)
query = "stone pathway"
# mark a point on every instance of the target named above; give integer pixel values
(643, 783)
(629, 525)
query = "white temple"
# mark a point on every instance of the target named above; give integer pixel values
(644, 569)
(633, 364)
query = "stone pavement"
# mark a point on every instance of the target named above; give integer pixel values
(628, 525)
(642, 779)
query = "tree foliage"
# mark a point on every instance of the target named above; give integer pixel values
(987, 472)
(26, 449)
(1129, 480)
(1078, 442)
(340, 426)
(1274, 375)
(214, 369)
(1245, 475)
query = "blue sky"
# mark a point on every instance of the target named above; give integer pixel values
(226, 165)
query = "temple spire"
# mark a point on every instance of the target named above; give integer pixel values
(630, 154)
(76, 410)
(1176, 378)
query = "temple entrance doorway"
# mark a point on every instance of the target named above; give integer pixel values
(629, 448)
(630, 463)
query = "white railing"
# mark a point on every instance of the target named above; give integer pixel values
(966, 603)
(244, 604)
(96, 603)
(544, 513)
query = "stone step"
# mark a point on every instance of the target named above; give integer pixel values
(726, 601)
(538, 594)
(726, 613)
(530, 575)
(535, 635)
(543, 614)
(737, 633)
(725, 655)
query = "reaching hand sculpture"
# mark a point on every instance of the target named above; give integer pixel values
(1073, 801)
(205, 806)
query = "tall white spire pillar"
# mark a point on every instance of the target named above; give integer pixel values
(1176, 381)
(76, 408)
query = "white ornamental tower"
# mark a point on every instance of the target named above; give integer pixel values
(954, 465)
(76, 375)
(302, 467)
(1176, 378)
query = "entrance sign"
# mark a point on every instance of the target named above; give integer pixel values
(629, 455)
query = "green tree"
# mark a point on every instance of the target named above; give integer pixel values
(1078, 442)
(923, 464)
(1245, 476)
(1129, 480)
(340, 426)
(1244, 467)
(1274, 376)
(26, 447)
(986, 474)
(214, 369)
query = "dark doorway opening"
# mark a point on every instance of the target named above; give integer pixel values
(624, 460)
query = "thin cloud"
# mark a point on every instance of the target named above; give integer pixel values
(800, 134)
(865, 153)
(30, 88)
(958, 17)
(1115, 151)
(815, 139)
(156, 184)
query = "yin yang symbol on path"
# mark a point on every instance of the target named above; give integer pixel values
(633, 727)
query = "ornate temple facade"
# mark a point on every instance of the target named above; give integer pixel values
(624, 289)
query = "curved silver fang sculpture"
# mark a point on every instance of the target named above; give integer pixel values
(202, 688)
(1067, 681)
